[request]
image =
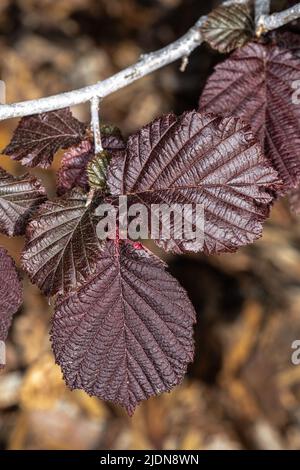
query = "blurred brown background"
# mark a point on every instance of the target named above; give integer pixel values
(242, 392)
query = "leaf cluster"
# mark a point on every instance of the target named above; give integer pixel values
(123, 326)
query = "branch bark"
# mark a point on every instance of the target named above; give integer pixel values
(95, 124)
(147, 64)
(262, 7)
(268, 23)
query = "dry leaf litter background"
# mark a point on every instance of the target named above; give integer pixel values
(242, 391)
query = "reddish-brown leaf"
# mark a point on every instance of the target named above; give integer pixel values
(203, 159)
(38, 137)
(74, 161)
(61, 247)
(10, 293)
(73, 167)
(257, 84)
(19, 197)
(127, 333)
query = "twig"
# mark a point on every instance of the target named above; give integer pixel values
(95, 124)
(147, 64)
(262, 7)
(184, 63)
(268, 23)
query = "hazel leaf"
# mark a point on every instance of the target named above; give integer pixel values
(228, 27)
(127, 333)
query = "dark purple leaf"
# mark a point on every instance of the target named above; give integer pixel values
(228, 27)
(256, 84)
(112, 139)
(201, 159)
(73, 167)
(19, 197)
(38, 137)
(74, 162)
(62, 247)
(127, 334)
(10, 292)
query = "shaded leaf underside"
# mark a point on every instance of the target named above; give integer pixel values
(228, 27)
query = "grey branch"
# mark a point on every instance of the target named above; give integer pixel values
(262, 8)
(268, 23)
(147, 64)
